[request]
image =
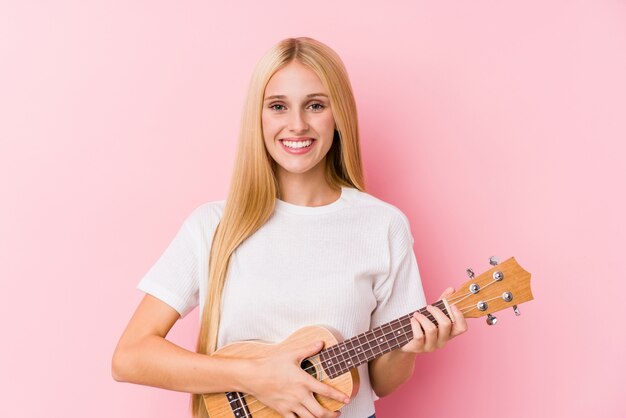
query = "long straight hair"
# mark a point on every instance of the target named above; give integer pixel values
(254, 185)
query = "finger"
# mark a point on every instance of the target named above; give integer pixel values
(460, 324)
(318, 410)
(418, 336)
(430, 332)
(309, 350)
(447, 292)
(302, 412)
(444, 325)
(328, 391)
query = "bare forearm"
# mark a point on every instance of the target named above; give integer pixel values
(390, 371)
(155, 361)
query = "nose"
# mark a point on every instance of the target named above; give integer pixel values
(297, 122)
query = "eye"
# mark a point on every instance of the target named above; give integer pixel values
(317, 106)
(273, 106)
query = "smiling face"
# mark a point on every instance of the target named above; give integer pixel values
(298, 123)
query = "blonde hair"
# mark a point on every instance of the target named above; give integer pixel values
(254, 185)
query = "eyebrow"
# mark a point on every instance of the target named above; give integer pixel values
(280, 96)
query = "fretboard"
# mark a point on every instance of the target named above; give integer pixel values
(338, 359)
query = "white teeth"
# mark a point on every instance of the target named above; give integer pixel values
(297, 145)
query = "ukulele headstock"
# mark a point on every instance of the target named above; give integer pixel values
(504, 285)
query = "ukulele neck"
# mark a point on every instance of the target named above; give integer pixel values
(340, 358)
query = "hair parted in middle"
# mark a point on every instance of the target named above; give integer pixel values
(254, 183)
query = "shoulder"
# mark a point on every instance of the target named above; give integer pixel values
(206, 215)
(377, 209)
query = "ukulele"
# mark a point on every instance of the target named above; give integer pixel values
(504, 285)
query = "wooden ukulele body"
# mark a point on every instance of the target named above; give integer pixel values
(219, 404)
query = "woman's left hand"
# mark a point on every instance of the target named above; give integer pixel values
(427, 336)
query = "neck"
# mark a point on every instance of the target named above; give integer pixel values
(303, 190)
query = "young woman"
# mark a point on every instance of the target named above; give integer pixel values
(297, 242)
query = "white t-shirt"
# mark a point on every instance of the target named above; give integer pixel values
(349, 265)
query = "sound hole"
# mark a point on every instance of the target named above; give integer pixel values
(308, 367)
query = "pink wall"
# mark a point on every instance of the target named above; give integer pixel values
(498, 127)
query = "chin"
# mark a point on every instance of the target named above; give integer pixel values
(297, 170)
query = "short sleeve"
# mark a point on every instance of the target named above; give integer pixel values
(174, 277)
(400, 292)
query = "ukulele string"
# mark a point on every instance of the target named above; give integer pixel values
(263, 407)
(404, 329)
(385, 335)
(469, 308)
(407, 327)
(461, 298)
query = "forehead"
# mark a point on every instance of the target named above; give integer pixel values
(294, 79)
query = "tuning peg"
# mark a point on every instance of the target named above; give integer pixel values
(516, 310)
(470, 273)
(493, 260)
(491, 320)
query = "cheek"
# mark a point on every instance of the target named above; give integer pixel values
(329, 123)
(269, 127)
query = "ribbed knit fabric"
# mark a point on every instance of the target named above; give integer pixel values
(349, 265)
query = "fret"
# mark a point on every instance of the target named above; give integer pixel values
(407, 331)
(339, 358)
(354, 359)
(326, 365)
(376, 333)
(359, 341)
(374, 349)
(406, 328)
(341, 348)
(388, 333)
(361, 357)
(367, 349)
(381, 342)
(338, 353)
(391, 336)
(238, 405)
(398, 332)
(330, 365)
(349, 361)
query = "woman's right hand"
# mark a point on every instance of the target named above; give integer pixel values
(279, 382)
